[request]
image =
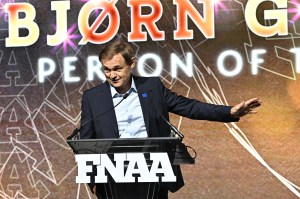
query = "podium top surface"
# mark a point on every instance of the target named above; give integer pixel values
(122, 145)
(128, 139)
(176, 150)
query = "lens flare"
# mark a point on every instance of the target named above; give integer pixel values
(219, 5)
(295, 10)
(68, 40)
(2, 8)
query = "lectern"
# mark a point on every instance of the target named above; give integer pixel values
(176, 151)
(173, 146)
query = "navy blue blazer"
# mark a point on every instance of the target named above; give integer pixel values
(155, 99)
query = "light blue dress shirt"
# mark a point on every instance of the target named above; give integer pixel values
(129, 113)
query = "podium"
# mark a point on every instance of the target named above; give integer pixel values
(176, 151)
(173, 146)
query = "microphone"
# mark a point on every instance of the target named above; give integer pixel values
(173, 128)
(78, 129)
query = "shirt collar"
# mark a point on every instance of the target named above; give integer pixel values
(115, 94)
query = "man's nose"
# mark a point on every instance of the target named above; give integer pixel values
(113, 74)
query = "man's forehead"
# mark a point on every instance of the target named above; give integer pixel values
(116, 57)
(116, 60)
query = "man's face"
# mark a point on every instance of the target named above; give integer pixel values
(118, 72)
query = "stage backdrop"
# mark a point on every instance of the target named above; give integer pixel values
(221, 52)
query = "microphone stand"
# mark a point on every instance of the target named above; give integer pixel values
(173, 128)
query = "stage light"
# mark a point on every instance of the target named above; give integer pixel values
(2, 8)
(68, 40)
(218, 4)
(295, 9)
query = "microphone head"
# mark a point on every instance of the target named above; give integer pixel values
(125, 95)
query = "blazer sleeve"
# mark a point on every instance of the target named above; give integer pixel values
(194, 109)
(87, 131)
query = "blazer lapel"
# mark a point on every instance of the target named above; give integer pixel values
(107, 101)
(144, 100)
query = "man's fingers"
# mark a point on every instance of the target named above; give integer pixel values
(94, 190)
(253, 104)
(251, 101)
(252, 112)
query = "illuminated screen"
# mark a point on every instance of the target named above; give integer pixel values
(216, 51)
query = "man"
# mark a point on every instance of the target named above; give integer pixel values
(140, 115)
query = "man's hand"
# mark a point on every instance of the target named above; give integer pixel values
(94, 190)
(245, 108)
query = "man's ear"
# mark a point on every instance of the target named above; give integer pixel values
(133, 61)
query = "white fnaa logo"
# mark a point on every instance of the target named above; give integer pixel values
(137, 166)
